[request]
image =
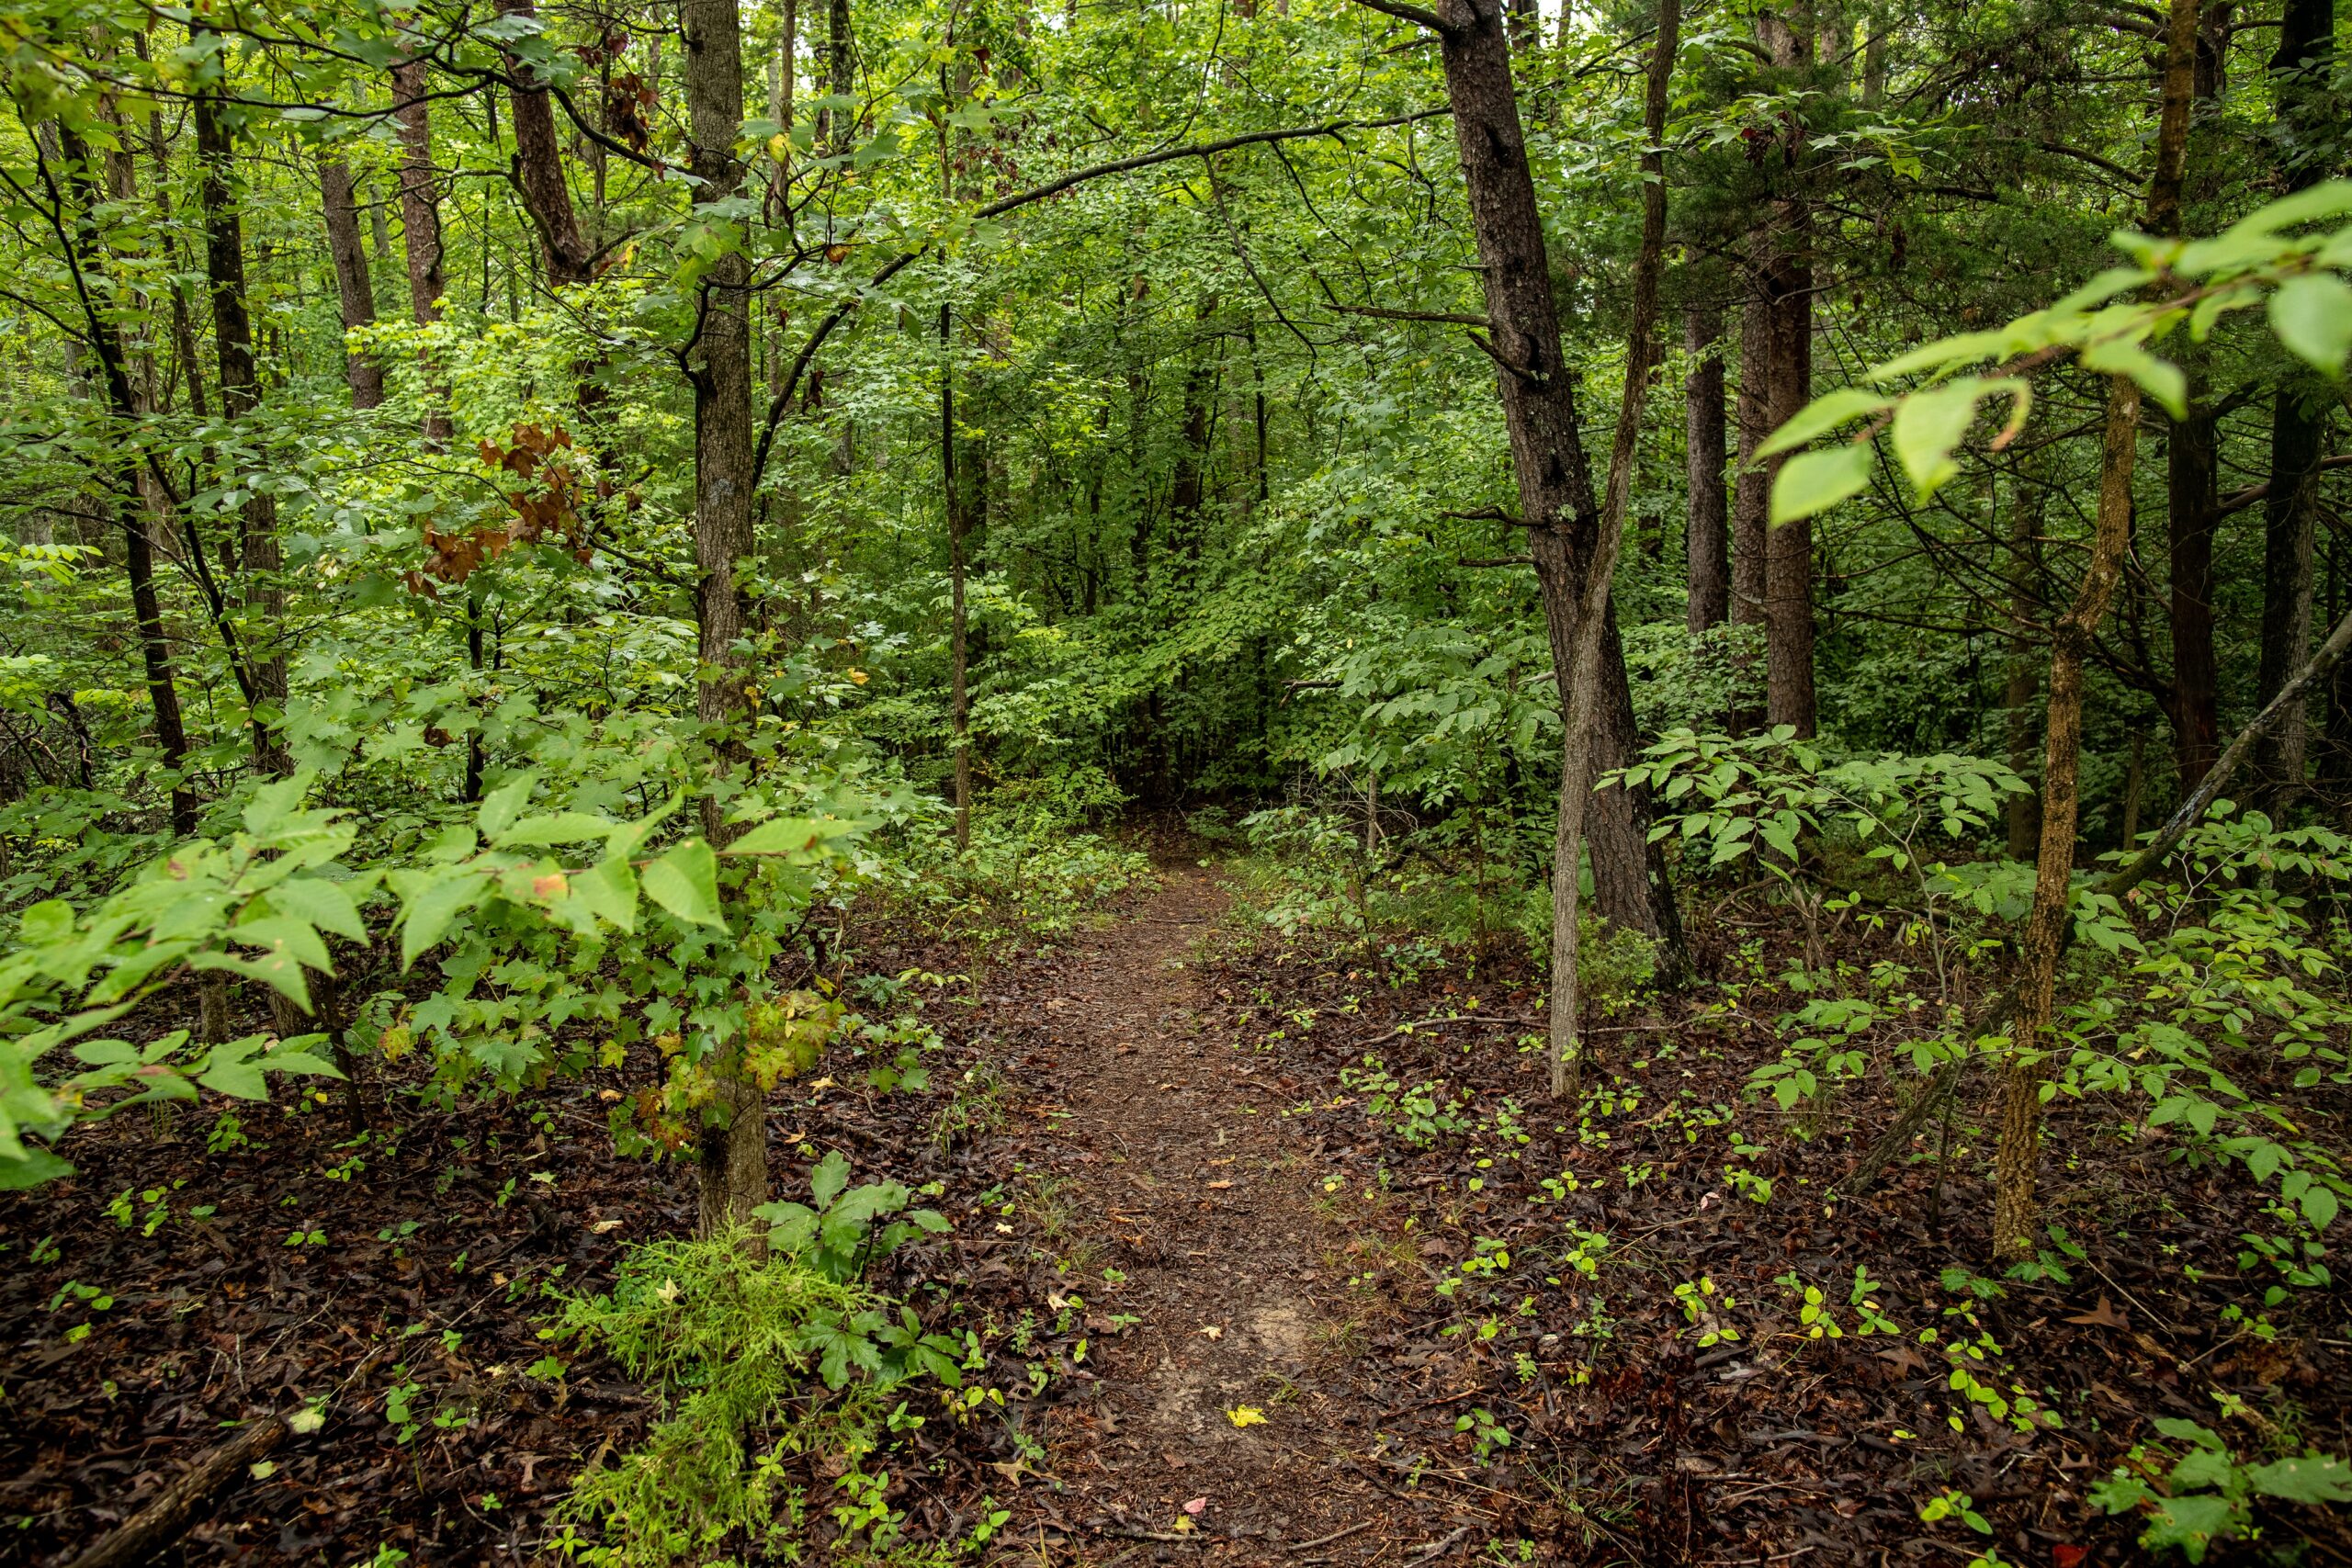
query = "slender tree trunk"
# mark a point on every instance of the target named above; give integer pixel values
(1751, 487)
(2191, 495)
(959, 643)
(421, 225)
(1706, 541)
(2049, 923)
(2298, 423)
(2290, 517)
(837, 129)
(135, 488)
(2046, 924)
(734, 1154)
(1788, 281)
(353, 288)
(2024, 685)
(260, 567)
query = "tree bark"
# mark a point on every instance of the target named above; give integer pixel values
(2049, 924)
(2024, 810)
(353, 288)
(1751, 490)
(2289, 518)
(1706, 539)
(139, 497)
(262, 586)
(733, 1153)
(2191, 492)
(1787, 278)
(2298, 425)
(837, 129)
(1573, 536)
(537, 169)
(420, 226)
(955, 501)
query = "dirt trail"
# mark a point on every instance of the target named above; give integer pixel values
(1183, 1178)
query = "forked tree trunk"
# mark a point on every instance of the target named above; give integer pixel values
(734, 1176)
(354, 289)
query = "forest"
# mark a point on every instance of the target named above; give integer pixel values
(912, 782)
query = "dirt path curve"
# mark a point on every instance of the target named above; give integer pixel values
(1183, 1179)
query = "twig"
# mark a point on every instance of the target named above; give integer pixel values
(1335, 1535)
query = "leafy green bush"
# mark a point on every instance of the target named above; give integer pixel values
(2208, 1494)
(766, 1362)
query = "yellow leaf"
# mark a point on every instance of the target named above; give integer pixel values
(1246, 1416)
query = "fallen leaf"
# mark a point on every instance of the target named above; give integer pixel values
(603, 1227)
(303, 1423)
(1219, 1186)
(1196, 1505)
(2103, 1315)
(2065, 1556)
(668, 1292)
(1246, 1416)
(264, 1469)
(1213, 1332)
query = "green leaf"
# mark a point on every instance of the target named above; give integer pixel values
(50, 920)
(2318, 1206)
(31, 1170)
(830, 1175)
(2160, 380)
(685, 882)
(319, 903)
(609, 891)
(504, 805)
(1821, 416)
(561, 828)
(427, 915)
(278, 969)
(283, 937)
(800, 837)
(2314, 1478)
(1813, 482)
(2312, 316)
(1928, 424)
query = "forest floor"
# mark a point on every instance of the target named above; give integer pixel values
(1274, 1248)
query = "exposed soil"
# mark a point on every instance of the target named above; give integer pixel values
(1450, 1344)
(1228, 1399)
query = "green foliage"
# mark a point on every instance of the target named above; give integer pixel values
(837, 1233)
(773, 1372)
(2207, 1495)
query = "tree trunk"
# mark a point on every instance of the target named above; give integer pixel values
(1573, 535)
(262, 586)
(837, 129)
(734, 1153)
(353, 288)
(420, 226)
(2191, 495)
(2025, 809)
(953, 500)
(2049, 923)
(1787, 275)
(2290, 516)
(538, 172)
(130, 408)
(1706, 541)
(1751, 489)
(2298, 425)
